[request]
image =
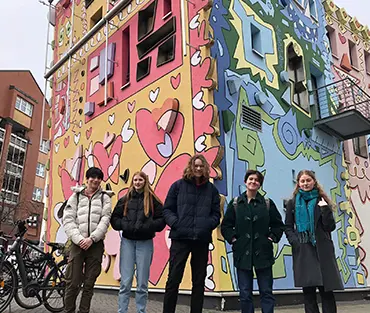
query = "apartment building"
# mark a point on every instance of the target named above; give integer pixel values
(23, 156)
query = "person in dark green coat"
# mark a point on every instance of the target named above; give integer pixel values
(251, 224)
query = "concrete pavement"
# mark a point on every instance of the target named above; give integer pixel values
(107, 303)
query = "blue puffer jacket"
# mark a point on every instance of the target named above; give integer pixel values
(192, 211)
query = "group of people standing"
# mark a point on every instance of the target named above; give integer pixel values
(251, 225)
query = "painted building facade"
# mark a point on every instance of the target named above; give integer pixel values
(350, 46)
(236, 81)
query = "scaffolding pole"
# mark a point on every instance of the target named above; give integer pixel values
(43, 223)
(106, 58)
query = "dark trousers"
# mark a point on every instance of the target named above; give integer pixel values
(264, 280)
(327, 299)
(179, 253)
(83, 268)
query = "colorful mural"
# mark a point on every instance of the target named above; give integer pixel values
(231, 80)
(349, 41)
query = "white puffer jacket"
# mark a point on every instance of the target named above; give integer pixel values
(92, 216)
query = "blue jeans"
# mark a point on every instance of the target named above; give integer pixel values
(139, 253)
(264, 280)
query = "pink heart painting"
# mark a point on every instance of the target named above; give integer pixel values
(66, 142)
(175, 81)
(88, 133)
(157, 144)
(131, 106)
(108, 162)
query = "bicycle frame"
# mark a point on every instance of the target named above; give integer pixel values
(31, 271)
(45, 260)
(29, 287)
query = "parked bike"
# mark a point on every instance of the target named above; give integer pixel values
(29, 275)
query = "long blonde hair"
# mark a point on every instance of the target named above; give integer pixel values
(317, 186)
(189, 169)
(149, 195)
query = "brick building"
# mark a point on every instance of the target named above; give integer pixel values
(23, 156)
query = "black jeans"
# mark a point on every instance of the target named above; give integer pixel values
(179, 253)
(265, 281)
(327, 299)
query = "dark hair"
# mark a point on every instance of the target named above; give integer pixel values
(254, 172)
(94, 172)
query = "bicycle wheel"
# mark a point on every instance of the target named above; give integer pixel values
(26, 303)
(8, 285)
(54, 287)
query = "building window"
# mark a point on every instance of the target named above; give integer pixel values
(44, 147)
(24, 106)
(33, 220)
(146, 20)
(14, 169)
(314, 90)
(88, 3)
(167, 8)
(360, 146)
(2, 136)
(40, 170)
(297, 78)
(353, 54)
(126, 57)
(256, 40)
(37, 194)
(332, 36)
(96, 17)
(313, 9)
(367, 61)
(166, 51)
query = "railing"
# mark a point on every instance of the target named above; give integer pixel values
(341, 96)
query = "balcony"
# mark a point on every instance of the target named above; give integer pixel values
(343, 109)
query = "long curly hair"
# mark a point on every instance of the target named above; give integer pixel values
(317, 186)
(149, 195)
(189, 169)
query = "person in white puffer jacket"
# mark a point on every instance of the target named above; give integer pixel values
(86, 218)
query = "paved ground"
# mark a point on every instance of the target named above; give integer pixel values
(107, 303)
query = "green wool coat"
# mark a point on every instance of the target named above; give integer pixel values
(251, 224)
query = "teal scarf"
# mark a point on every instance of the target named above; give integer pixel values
(305, 203)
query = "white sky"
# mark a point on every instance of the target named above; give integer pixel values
(23, 26)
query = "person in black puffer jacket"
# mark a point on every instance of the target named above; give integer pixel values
(139, 216)
(192, 210)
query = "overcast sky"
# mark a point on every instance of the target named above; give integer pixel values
(23, 26)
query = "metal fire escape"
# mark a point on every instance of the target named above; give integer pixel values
(343, 109)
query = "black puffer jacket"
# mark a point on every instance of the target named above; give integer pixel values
(135, 225)
(192, 211)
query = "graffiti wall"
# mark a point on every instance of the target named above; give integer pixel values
(232, 80)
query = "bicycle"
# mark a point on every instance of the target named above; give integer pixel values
(38, 279)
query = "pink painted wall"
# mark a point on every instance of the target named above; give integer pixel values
(344, 32)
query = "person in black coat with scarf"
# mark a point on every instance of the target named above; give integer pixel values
(139, 216)
(192, 210)
(309, 223)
